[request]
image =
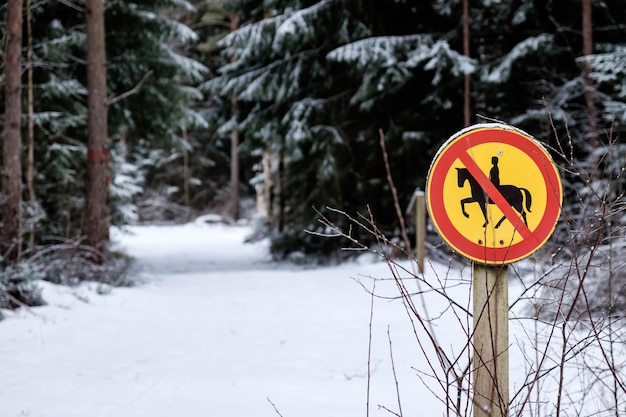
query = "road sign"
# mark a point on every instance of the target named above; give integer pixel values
(494, 193)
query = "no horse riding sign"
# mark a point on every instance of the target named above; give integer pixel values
(494, 193)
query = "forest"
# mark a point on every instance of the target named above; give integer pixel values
(122, 112)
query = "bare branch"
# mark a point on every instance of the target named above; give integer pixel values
(130, 92)
(72, 5)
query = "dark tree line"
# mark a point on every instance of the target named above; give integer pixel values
(316, 80)
(207, 101)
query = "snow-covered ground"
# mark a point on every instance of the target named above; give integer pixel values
(215, 328)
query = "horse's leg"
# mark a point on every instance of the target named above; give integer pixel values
(483, 208)
(500, 221)
(515, 200)
(463, 203)
(510, 194)
(519, 206)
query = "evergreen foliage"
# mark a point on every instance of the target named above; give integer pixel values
(609, 72)
(318, 88)
(315, 81)
(152, 99)
(398, 66)
(155, 101)
(276, 68)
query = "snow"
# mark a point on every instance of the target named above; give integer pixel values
(383, 50)
(214, 327)
(502, 72)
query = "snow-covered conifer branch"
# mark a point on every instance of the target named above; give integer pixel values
(609, 67)
(297, 27)
(502, 71)
(379, 51)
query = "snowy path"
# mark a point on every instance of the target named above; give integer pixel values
(216, 329)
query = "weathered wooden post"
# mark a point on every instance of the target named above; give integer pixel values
(494, 195)
(418, 201)
(491, 340)
(420, 229)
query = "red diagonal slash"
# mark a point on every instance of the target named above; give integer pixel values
(495, 195)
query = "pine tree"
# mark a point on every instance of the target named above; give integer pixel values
(151, 98)
(288, 97)
(154, 112)
(540, 64)
(59, 121)
(315, 92)
(411, 78)
(607, 64)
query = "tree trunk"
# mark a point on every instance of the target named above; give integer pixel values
(30, 170)
(592, 111)
(234, 144)
(234, 166)
(186, 173)
(186, 169)
(269, 186)
(12, 167)
(280, 193)
(466, 52)
(95, 224)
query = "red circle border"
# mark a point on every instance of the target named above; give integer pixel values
(448, 154)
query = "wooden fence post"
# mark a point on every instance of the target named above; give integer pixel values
(418, 200)
(420, 228)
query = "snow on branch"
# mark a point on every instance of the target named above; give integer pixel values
(609, 67)
(298, 119)
(408, 51)
(188, 66)
(194, 119)
(279, 81)
(502, 72)
(169, 27)
(183, 5)
(615, 109)
(443, 59)
(249, 42)
(298, 25)
(68, 38)
(379, 51)
(387, 63)
(57, 87)
(304, 122)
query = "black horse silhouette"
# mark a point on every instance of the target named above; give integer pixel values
(513, 195)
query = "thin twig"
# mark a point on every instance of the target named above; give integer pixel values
(394, 193)
(275, 409)
(393, 369)
(369, 352)
(130, 92)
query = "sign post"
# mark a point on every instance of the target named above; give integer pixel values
(494, 195)
(491, 340)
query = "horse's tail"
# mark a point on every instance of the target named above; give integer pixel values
(529, 198)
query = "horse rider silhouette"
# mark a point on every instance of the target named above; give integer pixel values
(513, 195)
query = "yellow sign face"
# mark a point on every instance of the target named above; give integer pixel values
(515, 168)
(494, 194)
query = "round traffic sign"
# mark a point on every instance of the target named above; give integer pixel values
(494, 193)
